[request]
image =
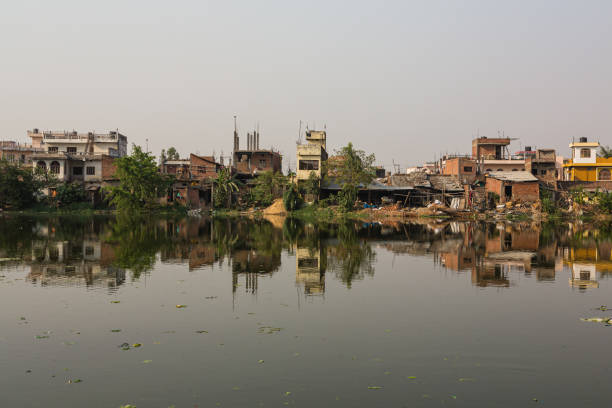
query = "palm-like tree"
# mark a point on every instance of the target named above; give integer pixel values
(225, 185)
(605, 152)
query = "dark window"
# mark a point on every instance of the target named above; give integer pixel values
(308, 263)
(41, 165)
(604, 174)
(585, 275)
(89, 250)
(71, 149)
(77, 171)
(309, 165)
(585, 153)
(52, 149)
(514, 169)
(508, 191)
(467, 169)
(262, 164)
(542, 172)
(534, 172)
(500, 169)
(91, 170)
(55, 167)
(23, 158)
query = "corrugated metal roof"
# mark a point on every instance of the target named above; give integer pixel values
(373, 186)
(514, 176)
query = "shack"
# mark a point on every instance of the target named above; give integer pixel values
(513, 186)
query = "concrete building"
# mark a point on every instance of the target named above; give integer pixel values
(463, 168)
(585, 165)
(15, 152)
(513, 186)
(77, 157)
(312, 154)
(492, 154)
(543, 164)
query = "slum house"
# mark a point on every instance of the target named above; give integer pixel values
(426, 188)
(542, 163)
(375, 193)
(520, 186)
(192, 186)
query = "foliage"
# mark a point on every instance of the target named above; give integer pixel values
(140, 182)
(549, 206)
(604, 201)
(292, 198)
(225, 186)
(19, 185)
(268, 187)
(172, 154)
(312, 186)
(69, 193)
(350, 168)
(347, 197)
(605, 152)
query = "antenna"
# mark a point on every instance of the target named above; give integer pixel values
(299, 139)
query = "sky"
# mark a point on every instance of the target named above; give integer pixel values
(406, 80)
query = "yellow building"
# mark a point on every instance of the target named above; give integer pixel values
(585, 165)
(310, 156)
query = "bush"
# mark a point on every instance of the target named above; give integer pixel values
(69, 193)
(292, 198)
(347, 197)
(605, 202)
(549, 206)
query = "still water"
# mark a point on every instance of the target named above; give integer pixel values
(102, 312)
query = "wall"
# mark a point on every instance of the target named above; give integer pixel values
(503, 165)
(526, 192)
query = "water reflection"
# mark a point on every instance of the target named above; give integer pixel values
(101, 251)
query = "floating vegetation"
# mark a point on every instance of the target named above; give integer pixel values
(136, 345)
(115, 330)
(607, 320)
(260, 362)
(374, 387)
(201, 331)
(42, 336)
(268, 330)
(78, 380)
(603, 308)
(466, 380)
(411, 377)
(181, 306)
(210, 297)
(115, 301)
(147, 361)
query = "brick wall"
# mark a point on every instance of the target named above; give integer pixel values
(108, 167)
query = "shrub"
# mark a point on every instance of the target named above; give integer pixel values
(292, 198)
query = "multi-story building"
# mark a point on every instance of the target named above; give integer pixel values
(15, 152)
(77, 157)
(492, 154)
(543, 164)
(585, 165)
(312, 154)
(253, 160)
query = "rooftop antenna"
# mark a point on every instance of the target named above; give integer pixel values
(299, 139)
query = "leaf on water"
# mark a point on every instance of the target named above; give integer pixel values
(453, 396)
(374, 387)
(75, 381)
(594, 319)
(466, 380)
(128, 406)
(201, 331)
(412, 377)
(115, 330)
(147, 361)
(287, 393)
(136, 345)
(22, 318)
(251, 313)
(42, 337)
(387, 373)
(260, 361)
(115, 301)
(181, 306)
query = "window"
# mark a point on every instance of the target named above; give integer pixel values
(542, 172)
(91, 170)
(585, 153)
(309, 165)
(604, 174)
(489, 170)
(71, 149)
(262, 164)
(55, 167)
(77, 171)
(585, 275)
(514, 169)
(52, 149)
(500, 169)
(467, 169)
(23, 158)
(41, 165)
(534, 172)
(9, 157)
(89, 250)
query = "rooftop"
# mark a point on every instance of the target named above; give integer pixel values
(514, 176)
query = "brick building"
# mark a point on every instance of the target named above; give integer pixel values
(513, 186)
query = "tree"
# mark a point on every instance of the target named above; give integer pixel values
(225, 185)
(351, 168)
(69, 193)
(140, 182)
(605, 152)
(268, 187)
(292, 199)
(19, 185)
(312, 186)
(172, 154)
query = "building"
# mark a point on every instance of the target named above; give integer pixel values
(74, 157)
(253, 160)
(585, 165)
(513, 186)
(542, 164)
(312, 154)
(463, 168)
(492, 154)
(15, 152)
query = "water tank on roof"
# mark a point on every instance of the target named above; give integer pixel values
(583, 140)
(527, 148)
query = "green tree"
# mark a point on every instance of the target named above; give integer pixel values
(605, 152)
(351, 168)
(292, 198)
(140, 182)
(69, 193)
(172, 154)
(19, 186)
(312, 185)
(225, 185)
(268, 187)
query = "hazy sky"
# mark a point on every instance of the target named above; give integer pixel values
(406, 80)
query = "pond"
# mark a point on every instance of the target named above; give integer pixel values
(199, 312)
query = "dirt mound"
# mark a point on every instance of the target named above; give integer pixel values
(277, 208)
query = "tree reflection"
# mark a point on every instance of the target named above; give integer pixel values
(352, 258)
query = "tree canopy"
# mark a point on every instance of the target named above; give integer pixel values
(19, 185)
(140, 182)
(605, 152)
